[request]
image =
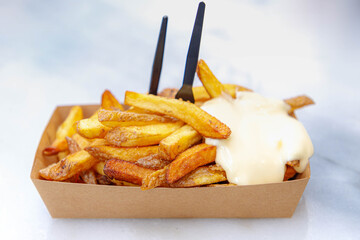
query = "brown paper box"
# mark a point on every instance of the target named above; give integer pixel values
(76, 200)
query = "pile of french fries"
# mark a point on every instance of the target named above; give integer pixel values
(151, 141)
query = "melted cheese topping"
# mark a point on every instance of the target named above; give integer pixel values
(264, 137)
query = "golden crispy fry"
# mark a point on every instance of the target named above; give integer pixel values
(98, 142)
(293, 163)
(91, 128)
(212, 85)
(69, 166)
(103, 180)
(72, 145)
(299, 102)
(65, 129)
(118, 118)
(62, 154)
(131, 154)
(109, 102)
(201, 95)
(126, 171)
(141, 135)
(289, 172)
(177, 142)
(202, 176)
(88, 176)
(155, 179)
(99, 167)
(200, 120)
(152, 161)
(81, 141)
(189, 160)
(139, 110)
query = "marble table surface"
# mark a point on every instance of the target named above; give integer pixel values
(66, 52)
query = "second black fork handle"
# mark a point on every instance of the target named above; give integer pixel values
(193, 55)
(158, 59)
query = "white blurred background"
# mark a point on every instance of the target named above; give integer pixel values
(67, 52)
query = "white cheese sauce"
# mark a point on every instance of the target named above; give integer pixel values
(264, 137)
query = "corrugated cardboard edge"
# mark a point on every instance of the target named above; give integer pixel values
(73, 200)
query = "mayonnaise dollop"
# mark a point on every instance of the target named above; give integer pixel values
(264, 137)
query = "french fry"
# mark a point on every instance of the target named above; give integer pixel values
(202, 176)
(177, 142)
(212, 85)
(99, 167)
(105, 180)
(289, 172)
(91, 128)
(293, 163)
(71, 165)
(299, 102)
(189, 160)
(201, 121)
(131, 154)
(109, 102)
(81, 141)
(152, 161)
(98, 142)
(155, 179)
(133, 109)
(118, 118)
(201, 95)
(126, 171)
(141, 135)
(88, 176)
(72, 145)
(65, 129)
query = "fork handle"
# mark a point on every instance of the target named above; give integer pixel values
(193, 52)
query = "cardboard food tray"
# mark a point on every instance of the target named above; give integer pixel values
(76, 200)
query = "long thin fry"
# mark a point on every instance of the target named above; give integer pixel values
(91, 128)
(189, 160)
(200, 120)
(71, 165)
(126, 171)
(141, 135)
(152, 161)
(119, 118)
(177, 142)
(212, 85)
(66, 129)
(131, 154)
(299, 102)
(109, 102)
(202, 176)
